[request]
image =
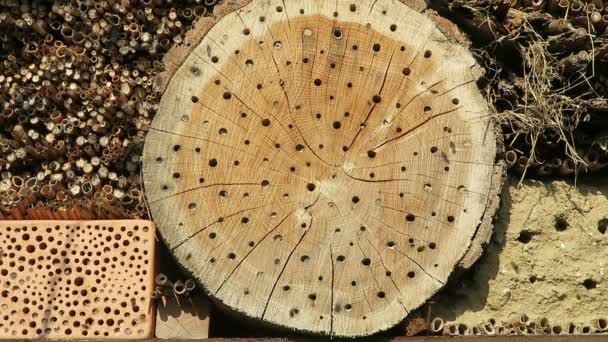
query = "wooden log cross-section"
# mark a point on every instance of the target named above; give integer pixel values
(321, 165)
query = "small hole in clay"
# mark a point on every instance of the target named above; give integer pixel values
(589, 284)
(560, 223)
(602, 225)
(525, 236)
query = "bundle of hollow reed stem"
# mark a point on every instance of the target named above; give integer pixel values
(547, 74)
(76, 99)
(521, 325)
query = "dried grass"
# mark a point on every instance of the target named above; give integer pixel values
(544, 111)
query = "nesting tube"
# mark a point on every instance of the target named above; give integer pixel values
(179, 288)
(522, 163)
(452, 330)
(556, 329)
(190, 285)
(567, 167)
(463, 329)
(488, 329)
(161, 280)
(511, 157)
(600, 324)
(592, 158)
(437, 325)
(538, 5)
(576, 7)
(476, 331)
(545, 170)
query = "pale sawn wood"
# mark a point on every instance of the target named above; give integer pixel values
(322, 165)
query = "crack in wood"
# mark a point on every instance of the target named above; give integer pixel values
(285, 265)
(252, 250)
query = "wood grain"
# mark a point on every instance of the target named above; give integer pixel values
(322, 165)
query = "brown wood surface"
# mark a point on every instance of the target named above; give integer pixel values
(322, 166)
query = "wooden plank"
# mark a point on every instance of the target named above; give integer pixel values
(185, 317)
